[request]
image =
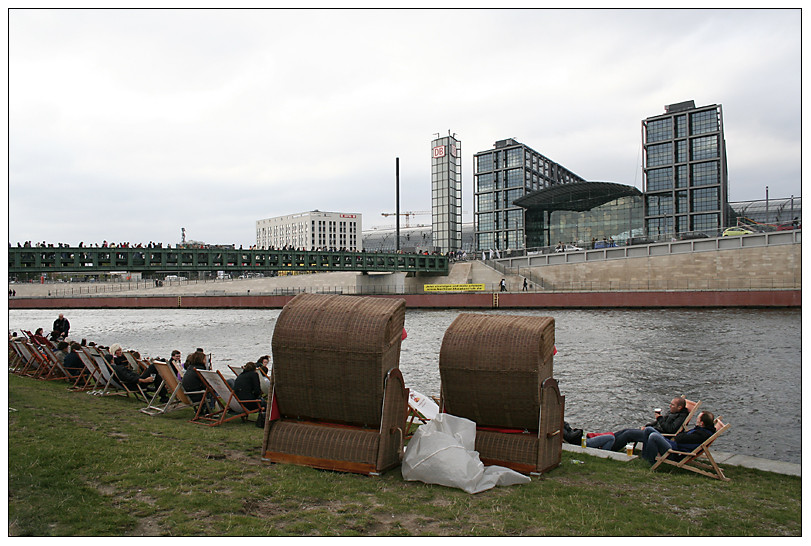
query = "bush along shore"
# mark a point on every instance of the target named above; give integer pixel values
(95, 466)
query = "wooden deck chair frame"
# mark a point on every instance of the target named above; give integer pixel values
(420, 408)
(57, 370)
(21, 358)
(112, 385)
(116, 382)
(15, 359)
(33, 359)
(226, 398)
(694, 461)
(94, 380)
(178, 399)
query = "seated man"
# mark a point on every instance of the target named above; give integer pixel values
(665, 424)
(655, 444)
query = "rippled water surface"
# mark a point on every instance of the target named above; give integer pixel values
(613, 366)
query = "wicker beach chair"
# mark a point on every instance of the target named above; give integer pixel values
(340, 395)
(496, 370)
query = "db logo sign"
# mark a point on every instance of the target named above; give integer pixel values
(439, 151)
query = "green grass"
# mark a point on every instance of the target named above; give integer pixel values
(86, 465)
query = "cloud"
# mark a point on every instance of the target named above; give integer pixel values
(143, 121)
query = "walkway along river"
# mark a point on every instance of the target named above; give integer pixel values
(614, 366)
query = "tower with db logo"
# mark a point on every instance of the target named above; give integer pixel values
(446, 193)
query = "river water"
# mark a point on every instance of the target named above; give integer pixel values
(613, 366)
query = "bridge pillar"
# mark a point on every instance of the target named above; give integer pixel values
(390, 283)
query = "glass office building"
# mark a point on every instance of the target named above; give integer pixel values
(685, 171)
(446, 193)
(583, 214)
(508, 172)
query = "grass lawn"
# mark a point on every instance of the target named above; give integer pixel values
(87, 465)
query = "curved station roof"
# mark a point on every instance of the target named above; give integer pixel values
(576, 196)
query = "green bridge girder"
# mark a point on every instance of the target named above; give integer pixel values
(95, 260)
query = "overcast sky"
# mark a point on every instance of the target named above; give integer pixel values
(130, 125)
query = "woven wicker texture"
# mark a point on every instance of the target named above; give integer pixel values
(492, 368)
(331, 354)
(333, 443)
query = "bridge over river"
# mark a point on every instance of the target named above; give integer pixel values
(32, 261)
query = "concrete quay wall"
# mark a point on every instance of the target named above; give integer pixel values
(778, 266)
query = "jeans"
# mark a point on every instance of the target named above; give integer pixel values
(654, 444)
(605, 441)
(627, 435)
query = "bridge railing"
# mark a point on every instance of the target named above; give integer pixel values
(92, 260)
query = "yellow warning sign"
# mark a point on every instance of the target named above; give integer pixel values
(452, 287)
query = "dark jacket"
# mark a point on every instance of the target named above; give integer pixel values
(691, 439)
(73, 362)
(62, 326)
(126, 375)
(191, 382)
(670, 422)
(247, 387)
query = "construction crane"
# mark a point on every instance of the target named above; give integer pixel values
(408, 214)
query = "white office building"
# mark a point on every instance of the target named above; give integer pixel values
(314, 230)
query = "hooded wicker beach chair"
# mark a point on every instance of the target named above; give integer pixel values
(496, 370)
(337, 386)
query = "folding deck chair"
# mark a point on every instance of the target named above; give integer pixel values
(57, 371)
(496, 370)
(231, 407)
(420, 408)
(112, 384)
(695, 460)
(33, 359)
(94, 380)
(339, 396)
(178, 398)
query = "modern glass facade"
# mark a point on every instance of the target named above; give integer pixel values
(502, 175)
(446, 193)
(685, 171)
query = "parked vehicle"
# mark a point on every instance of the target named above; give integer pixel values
(736, 230)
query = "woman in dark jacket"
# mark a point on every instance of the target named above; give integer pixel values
(247, 387)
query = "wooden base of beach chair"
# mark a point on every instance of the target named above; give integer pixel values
(332, 447)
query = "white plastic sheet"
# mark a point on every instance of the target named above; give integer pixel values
(442, 452)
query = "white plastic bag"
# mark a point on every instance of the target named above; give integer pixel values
(442, 452)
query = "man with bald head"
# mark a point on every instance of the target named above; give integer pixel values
(61, 326)
(664, 424)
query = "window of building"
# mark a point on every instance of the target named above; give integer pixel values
(704, 147)
(514, 178)
(706, 222)
(484, 163)
(660, 204)
(486, 222)
(660, 179)
(681, 202)
(514, 157)
(703, 122)
(659, 227)
(705, 199)
(705, 174)
(487, 202)
(660, 154)
(659, 129)
(681, 151)
(681, 126)
(681, 176)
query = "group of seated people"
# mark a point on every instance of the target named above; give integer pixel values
(652, 435)
(250, 384)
